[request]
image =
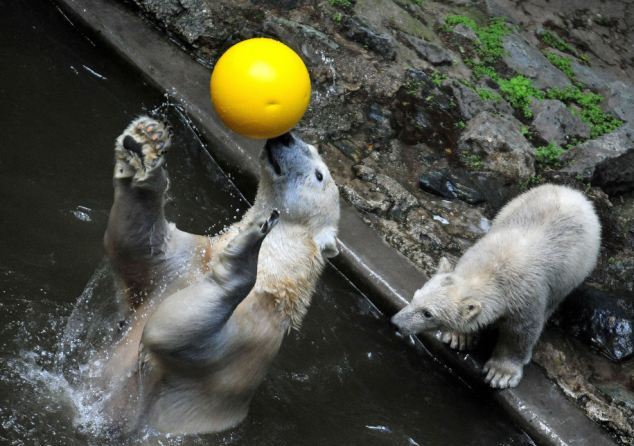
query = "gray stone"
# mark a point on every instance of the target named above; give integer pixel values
(402, 200)
(371, 201)
(584, 159)
(470, 103)
(616, 175)
(619, 100)
(433, 53)
(498, 141)
(530, 62)
(593, 79)
(359, 31)
(553, 122)
(273, 23)
(464, 31)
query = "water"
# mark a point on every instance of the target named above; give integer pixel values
(346, 378)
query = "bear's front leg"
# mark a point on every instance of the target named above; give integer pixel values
(458, 341)
(137, 232)
(516, 338)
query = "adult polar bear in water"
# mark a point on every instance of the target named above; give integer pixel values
(202, 329)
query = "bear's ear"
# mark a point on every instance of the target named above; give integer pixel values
(470, 309)
(326, 239)
(444, 266)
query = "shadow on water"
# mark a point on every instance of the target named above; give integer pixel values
(344, 379)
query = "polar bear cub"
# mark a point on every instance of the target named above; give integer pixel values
(541, 246)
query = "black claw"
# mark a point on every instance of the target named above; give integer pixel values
(272, 221)
(130, 144)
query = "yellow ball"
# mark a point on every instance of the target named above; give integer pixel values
(260, 88)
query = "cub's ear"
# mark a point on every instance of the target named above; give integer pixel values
(326, 239)
(470, 309)
(444, 266)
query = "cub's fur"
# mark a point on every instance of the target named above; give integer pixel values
(541, 246)
(202, 328)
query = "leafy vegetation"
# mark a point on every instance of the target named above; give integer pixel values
(437, 78)
(340, 3)
(487, 94)
(472, 160)
(490, 48)
(554, 41)
(549, 155)
(519, 91)
(587, 108)
(337, 17)
(532, 181)
(563, 63)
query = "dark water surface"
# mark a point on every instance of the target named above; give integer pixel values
(345, 379)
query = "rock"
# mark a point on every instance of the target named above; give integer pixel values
(466, 32)
(372, 201)
(451, 186)
(433, 53)
(402, 200)
(593, 79)
(616, 175)
(359, 31)
(274, 23)
(611, 151)
(497, 140)
(602, 320)
(381, 117)
(470, 104)
(619, 100)
(529, 61)
(553, 122)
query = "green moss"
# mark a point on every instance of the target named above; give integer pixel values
(472, 160)
(519, 91)
(487, 94)
(549, 155)
(554, 41)
(588, 110)
(563, 63)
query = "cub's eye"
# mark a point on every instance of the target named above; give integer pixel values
(319, 175)
(427, 314)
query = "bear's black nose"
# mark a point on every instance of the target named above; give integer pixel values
(284, 140)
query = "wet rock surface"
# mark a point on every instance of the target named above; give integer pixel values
(429, 128)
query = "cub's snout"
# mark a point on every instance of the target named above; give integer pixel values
(404, 321)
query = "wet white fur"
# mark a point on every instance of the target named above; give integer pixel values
(541, 246)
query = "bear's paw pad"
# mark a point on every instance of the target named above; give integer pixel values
(141, 146)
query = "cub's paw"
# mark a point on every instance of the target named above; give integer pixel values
(458, 341)
(503, 373)
(140, 148)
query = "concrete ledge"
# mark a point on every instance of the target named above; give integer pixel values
(387, 277)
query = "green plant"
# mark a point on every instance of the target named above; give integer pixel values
(337, 17)
(417, 2)
(554, 41)
(525, 131)
(460, 125)
(489, 48)
(487, 94)
(588, 109)
(529, 182)
(481, 70)
(563, 63)
(549, 155)
(437, 78)
(472, 160)
(519, 91)
(413, 86)
(340, 3)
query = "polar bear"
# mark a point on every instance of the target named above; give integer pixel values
(541, 246)
(202, 328)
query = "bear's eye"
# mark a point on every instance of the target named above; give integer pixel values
(427, 314)
(319, 175)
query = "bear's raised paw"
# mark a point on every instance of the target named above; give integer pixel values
(140, 148)
(503, 373)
